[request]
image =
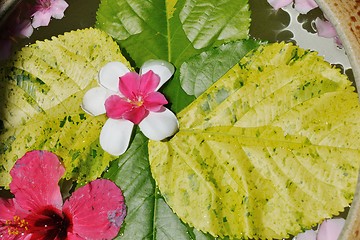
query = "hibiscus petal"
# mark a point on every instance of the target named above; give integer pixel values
(304, 6)
(115, 136)
(330, 229)
(94, 101)
(325, 28)
(129, 85)
(154, 101)
(148, 82)
(35, 179)
(159, 125)
(277, 4)
(162, 68)
(97, 209)
(41, 18)
(57, 8)
(307, 235)
(116, 107)
(109, 75)
(7, 210)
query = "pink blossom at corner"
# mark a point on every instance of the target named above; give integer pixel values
(329, 229)
(304, 6)
(139, 98)
(327, 30)
(37, 210)
(45, 9)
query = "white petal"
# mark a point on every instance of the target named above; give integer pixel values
(110, 73)
(330, 229)
(94, 101)
(115, 136)
(307, 235)
(159, 125)
(162, 68)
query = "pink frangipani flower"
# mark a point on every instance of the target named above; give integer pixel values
(45, 9)
(329, 229)
(94, 211)
(129, 98)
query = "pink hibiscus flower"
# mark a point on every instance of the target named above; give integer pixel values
(129, 98)
(37, 210)
(45, 9)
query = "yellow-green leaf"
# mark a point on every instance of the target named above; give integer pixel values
(42, 94)
(269, 149)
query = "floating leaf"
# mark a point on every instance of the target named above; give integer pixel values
(42, 90)
(199, 72)
(148, 214)
(270, 149)
(173, 31)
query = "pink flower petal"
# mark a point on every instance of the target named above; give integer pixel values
(148, 83)
(97, 209)
(307, 235)
(136, 115)
(330, 229)
(35, 179)
(304, 6)
(129, 85)
(325, 28)
(161, 68)
(7, 209)
(25, 29)
(57, 8)
(277, 4)
(41, 18)
(116, 107)
(154, 101)
(115, 136)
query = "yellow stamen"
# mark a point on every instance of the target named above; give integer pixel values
(17, 225)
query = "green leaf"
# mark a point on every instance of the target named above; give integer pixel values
(270, 149)
(42, 91)
(173, 31)
(148, 216)
(201, 71)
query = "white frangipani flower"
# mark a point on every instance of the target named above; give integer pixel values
(129, 98)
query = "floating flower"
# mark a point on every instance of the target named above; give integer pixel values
(324, 28)
(302, 6)
(94, 211)
(45, 9)
(328, 230)
(129, 98)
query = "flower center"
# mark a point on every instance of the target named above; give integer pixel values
(138, 102)
(16, 226)
(52, 224)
